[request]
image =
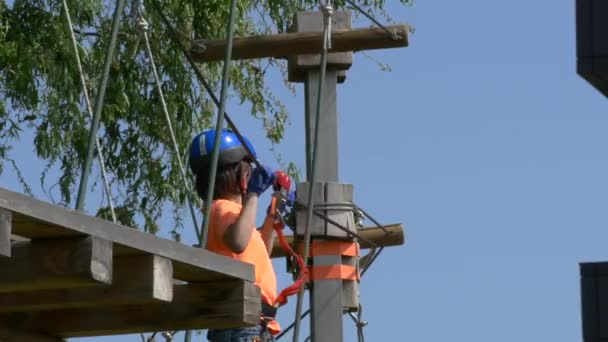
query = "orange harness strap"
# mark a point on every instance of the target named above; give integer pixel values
(317, 248)
(332, 247)
(304, 275)
(327, 272)
(336, 271)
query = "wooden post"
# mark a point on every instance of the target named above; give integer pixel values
(326, 300)
(57, 263)
(6, 219)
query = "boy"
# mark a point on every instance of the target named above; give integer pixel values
(232, 230)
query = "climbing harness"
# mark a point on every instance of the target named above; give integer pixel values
(280, 198)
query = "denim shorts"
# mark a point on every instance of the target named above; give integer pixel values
(248, 334)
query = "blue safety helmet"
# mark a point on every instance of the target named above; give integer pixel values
(231, 150)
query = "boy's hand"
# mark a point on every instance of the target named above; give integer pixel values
(261, 179)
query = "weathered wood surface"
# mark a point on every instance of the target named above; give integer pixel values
(22, 336)
(141, 279)
(299, 43)
(56, 263)
(195, 306)
(37, 219)
(395, 237)
(6, 219)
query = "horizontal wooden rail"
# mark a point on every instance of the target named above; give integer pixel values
(223, 304)
(24, 336)
(141, 279)
(35, 219)
(301, 43)
(56, 263)
(394, 236)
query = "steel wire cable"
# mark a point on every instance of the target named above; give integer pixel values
(83, 84)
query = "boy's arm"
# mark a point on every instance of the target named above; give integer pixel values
(268, 233)
(238, 234)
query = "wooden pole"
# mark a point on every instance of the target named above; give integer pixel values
(394, 236)
(299, 43)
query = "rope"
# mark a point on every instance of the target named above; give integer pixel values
(142, 25)
(176, 38)
(327, 11)
(219, 125)
(304, 274)
(391, 34)
(83, 84)
(86, 167)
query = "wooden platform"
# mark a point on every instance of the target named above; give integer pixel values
(67, 274)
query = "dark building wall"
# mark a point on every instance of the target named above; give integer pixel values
(592, 42)
(594, 301)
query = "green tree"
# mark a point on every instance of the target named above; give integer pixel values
(40, 92)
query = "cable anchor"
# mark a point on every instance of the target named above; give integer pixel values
(138, 11)
(328, 12)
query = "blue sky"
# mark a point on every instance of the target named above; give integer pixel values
(489, 148)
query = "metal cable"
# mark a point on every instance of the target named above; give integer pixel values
(219, 124)
(360, 324)
(199, 75)
(391, 35)
(289, 327)
(328, 11)
(168, 119)
(101, 92)
(85, 92)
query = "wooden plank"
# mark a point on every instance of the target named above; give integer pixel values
(141, 279)
(56, 263)
(37, 229)
(299, 43)
(195, 306)
(6, 219)
(22, 336)
(395, 237)
(190, 264)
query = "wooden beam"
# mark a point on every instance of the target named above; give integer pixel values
(300, 43)
(37, 219)
(394, 236)
(195, 306)
(6, 220)
(140, 279)
(22, 336)
(56, 263)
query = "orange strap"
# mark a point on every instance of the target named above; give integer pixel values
(304, 275)
(334, 272)
(332, 247)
